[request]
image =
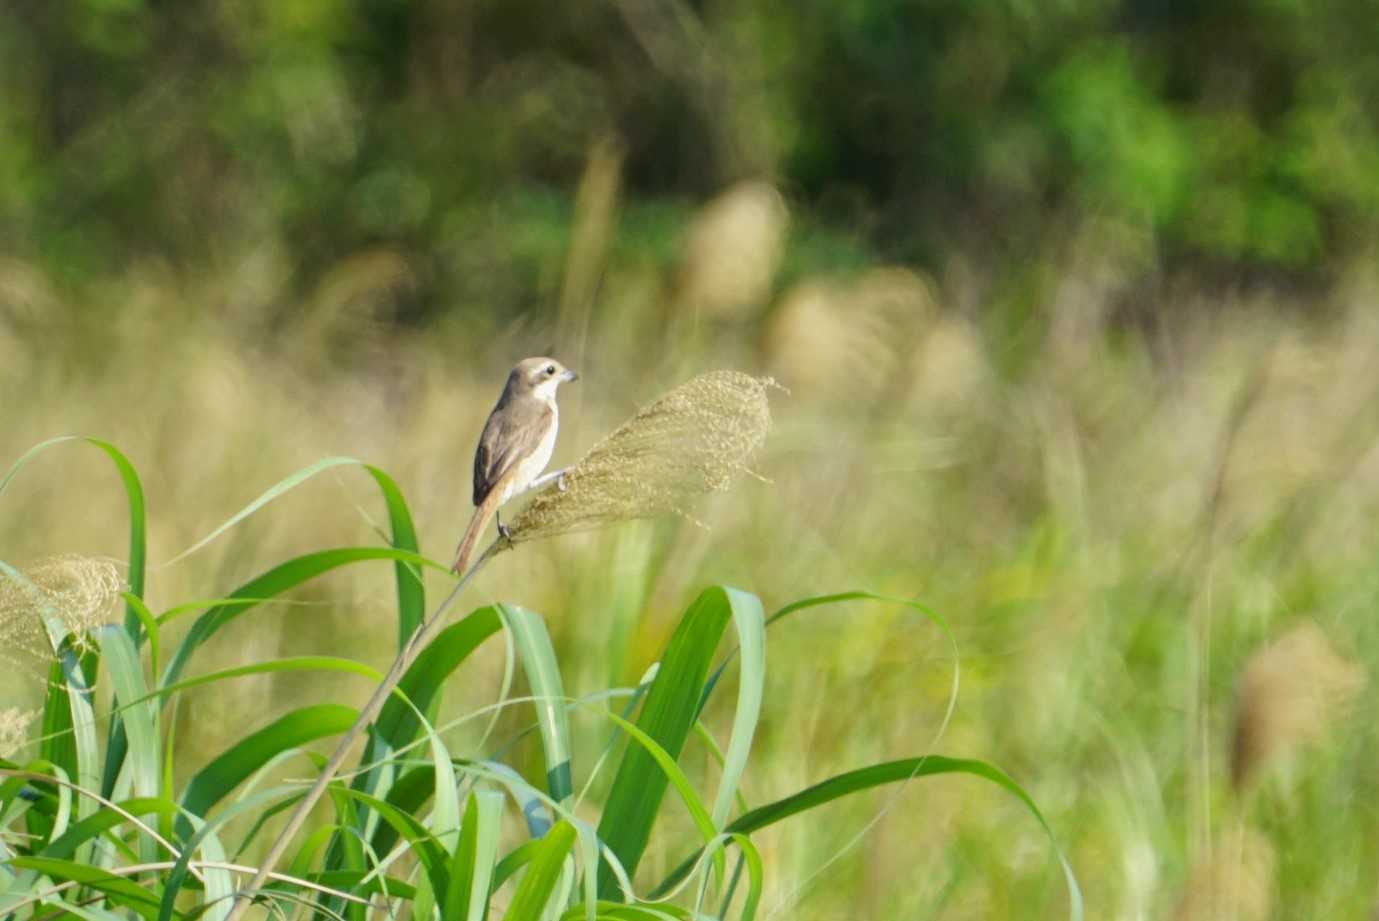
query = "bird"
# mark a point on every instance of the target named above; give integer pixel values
(516, 445)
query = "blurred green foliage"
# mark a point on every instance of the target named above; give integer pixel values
(1239, 133)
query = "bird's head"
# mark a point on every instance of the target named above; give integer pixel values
(540, 377)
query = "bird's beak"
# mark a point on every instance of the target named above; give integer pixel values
(569, 376)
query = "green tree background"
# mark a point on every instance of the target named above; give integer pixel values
(1234, 137)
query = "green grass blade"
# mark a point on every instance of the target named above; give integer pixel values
(151, 630)
(398, 724)
(178, 611)
(55, 807)
(543, 872)
(257, 804)
(362, 884)
(445, 810)
(272, 666)
(672, 771)
(12, 808)
(301, 862)
(137, 723)
(270, 584)
(89, 913)
(82, 723)
(514, 860)
(138, 547)
(543, 675)
(751, 638)
(140, 719)
(711, 746)
(430, 855)
(535, 811)
(399, 721)
(756, 876)
(121, 891)
(875, 775)
(409, 793)
(410, 590)
(677, 778)
(64, 847)
(237, 763)
(614, 911)
(351, 853)
(218, 883)
(59, 741)
(485, 858)
(462, 865)
(670, 709)
(471, 865)
(285, 485)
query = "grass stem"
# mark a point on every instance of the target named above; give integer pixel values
(405, 657)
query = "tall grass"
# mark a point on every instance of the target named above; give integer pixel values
(1117, 510)
(419, 827)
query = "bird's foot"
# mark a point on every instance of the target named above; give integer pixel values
(504, 531)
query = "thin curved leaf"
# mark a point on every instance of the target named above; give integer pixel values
(875, 775)
(615, 911)
(233, 766)
(548, 696)
(751, 637)
(471, 865)
(140, 719)
(430, 854)
(65, 846)
(671, 707)
(398, 724)
(399, 721)
(410, 590)
(543, 872)
(274, 582)
(363, 884)
(120, 890)
(288, 664)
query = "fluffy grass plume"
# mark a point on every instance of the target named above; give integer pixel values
(1292, 690)
(80, 591)
(692, 441)
(14, 728)
(734, 249)
(1236, 882)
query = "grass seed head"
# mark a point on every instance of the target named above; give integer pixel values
(79, 591)
(733, 251)
(1236, 882)
(1291, 691)
(14, 729)
(692, 441)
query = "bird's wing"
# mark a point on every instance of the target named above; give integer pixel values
(482, 484)
(511, 434)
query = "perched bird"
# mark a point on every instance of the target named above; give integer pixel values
(516, 445)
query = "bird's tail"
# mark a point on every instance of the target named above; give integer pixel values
(477, 525)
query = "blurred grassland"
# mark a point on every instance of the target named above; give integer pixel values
(1112, 524)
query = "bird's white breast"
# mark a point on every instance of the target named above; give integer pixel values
(531, 466)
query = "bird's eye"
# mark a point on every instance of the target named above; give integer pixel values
(550, 369)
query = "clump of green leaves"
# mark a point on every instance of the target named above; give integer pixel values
(92, 827)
